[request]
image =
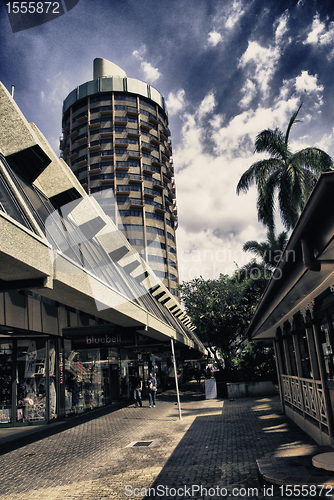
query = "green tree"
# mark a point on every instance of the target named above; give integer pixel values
(269, 251)
(290, 176)
(221, 309)
(255, 362)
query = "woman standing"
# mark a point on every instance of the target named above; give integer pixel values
(152, 389)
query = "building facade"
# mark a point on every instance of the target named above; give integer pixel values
(117, 142)
(296, 313)
(81, 313)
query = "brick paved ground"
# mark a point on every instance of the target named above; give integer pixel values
(215, 445)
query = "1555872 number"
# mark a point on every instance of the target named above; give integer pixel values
(33, 7)
(306, 490)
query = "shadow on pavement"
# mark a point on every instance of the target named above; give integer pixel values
(35, 434)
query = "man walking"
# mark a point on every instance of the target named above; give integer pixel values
(138, 387)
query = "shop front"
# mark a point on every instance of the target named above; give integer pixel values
(44, 378)
(28, 381)
(101, 363)
(91, 378)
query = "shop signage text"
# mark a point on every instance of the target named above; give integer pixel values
(100, 340)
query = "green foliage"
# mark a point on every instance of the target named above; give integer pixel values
(290, 176)
(254, 362)
(221, 309)
(269, 251)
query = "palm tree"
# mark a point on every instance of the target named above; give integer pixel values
(291, 176)
(269, 251)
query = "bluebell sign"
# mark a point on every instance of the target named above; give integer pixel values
(26, 15)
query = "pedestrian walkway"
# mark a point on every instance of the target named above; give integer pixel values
(245, 448)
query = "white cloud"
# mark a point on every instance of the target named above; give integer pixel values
(326, 141)
(261, 62)
(249, 91)
(282, 27)
(235, 13)
(214, 38)
(207, 105)
(308, 83)
(139, 54)
(175, 102)
(151, 74)
(317, 28)
(320, 36)
(328, 37)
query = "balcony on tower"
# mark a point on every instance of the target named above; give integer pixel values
(94, 123)
(81, 161)
(153, 119)
(82, 117)
(73, 134)
(132, 111)
(107, 154)
(146, 147)
(133, 132)
(123, 190)
(156, 161)
(94, 146)
(106, 132)
(72, 155)
(121, 142)
(107, 179)
(159, 208)
(121, 120)
(134, 155)
(96, 170)
(145, 125)
(81, 139)
(105, 110)
(150, 193)
(136, 178)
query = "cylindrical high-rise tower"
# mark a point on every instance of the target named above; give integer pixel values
(116, 141)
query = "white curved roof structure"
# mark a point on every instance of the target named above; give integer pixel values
(103, 67)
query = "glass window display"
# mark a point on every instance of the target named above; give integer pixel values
(52, 381)
(91, 376)
(6, 362)
(31, 382)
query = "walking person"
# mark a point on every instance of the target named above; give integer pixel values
(138, 387)
(152, 389)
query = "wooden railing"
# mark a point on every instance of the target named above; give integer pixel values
(307, 395)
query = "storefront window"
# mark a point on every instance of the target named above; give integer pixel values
(327, 348)
(31, 382)
(6, 363)
(52, 381)
(90, 378)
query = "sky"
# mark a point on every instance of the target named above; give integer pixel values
(227, 69)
